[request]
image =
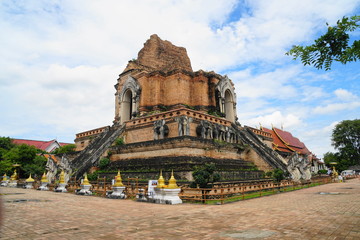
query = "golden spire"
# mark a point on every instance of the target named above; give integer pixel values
(260, 126)
(172, 181)
(62, 177)
(86, 180)
(30, 179)
(4, 177)
(118, 182)
(161, 181)
(44, 178)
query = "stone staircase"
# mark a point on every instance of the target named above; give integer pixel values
(93, 152)
(269, 155)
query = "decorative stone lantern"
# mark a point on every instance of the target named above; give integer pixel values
(29, 182)
(118, 188)
(62, 184)
(44, 183)
(85, 187)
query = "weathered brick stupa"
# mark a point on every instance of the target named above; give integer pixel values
(170, 117)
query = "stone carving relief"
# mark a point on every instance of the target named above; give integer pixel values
(215, 131)
(204, 130)
(161, 130)
(299, 167)
(65, 165)
(51, 169)
(184, 125)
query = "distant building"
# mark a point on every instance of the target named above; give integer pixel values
(286, 144)
(48, 146)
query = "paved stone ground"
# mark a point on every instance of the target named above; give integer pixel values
(302, 214)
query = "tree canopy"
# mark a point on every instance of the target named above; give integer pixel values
(332, 46)
(345, 139)
(204, 175)
(27, 156)
(65, 149)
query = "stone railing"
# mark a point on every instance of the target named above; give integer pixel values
(92, 132)
(176, 113)
(260, 132)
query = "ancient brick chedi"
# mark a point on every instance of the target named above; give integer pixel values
(162, 79)
(171, 117)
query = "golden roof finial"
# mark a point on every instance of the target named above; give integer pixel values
(30, 179)
(86, 180)
(260, 126)
(118, 182)
(62, 177)
(161, 181)
(172, 181)
(44, 178)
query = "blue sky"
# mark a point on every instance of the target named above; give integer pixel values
(60, 60)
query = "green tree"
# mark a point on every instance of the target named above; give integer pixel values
(204, 175)
(278, 175)
(332, 46)
(24, 155)
(6, 166)
(6, 143)
(36, 167)
(330, 157)
(346, 139)
(21, 154)
(65, 149)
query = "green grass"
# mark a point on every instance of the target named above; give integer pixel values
(251, 195)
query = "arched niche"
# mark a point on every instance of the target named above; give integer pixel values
(126, 106)
(226, 98)
(229, 106)
(129, 98)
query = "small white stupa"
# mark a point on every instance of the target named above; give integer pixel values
(118, 188)
(4, 181)
(167, 194)
(44, 183)
(85, 187)
(62, 184)
(29, 182)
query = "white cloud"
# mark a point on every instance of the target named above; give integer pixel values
(318, 139)
(345, 95)
(277, 119)
(334, 108)
(268, 84)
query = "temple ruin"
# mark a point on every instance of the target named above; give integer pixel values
(172, 118)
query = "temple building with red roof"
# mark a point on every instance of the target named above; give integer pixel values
(47, 146)
(286, 144)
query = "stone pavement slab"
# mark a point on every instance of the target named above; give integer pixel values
(303, 214)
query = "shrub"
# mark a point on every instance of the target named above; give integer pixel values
(104, 163)
(204, 175)
(119, 141)
(322, 171)
(93, 176)
(278, 175)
